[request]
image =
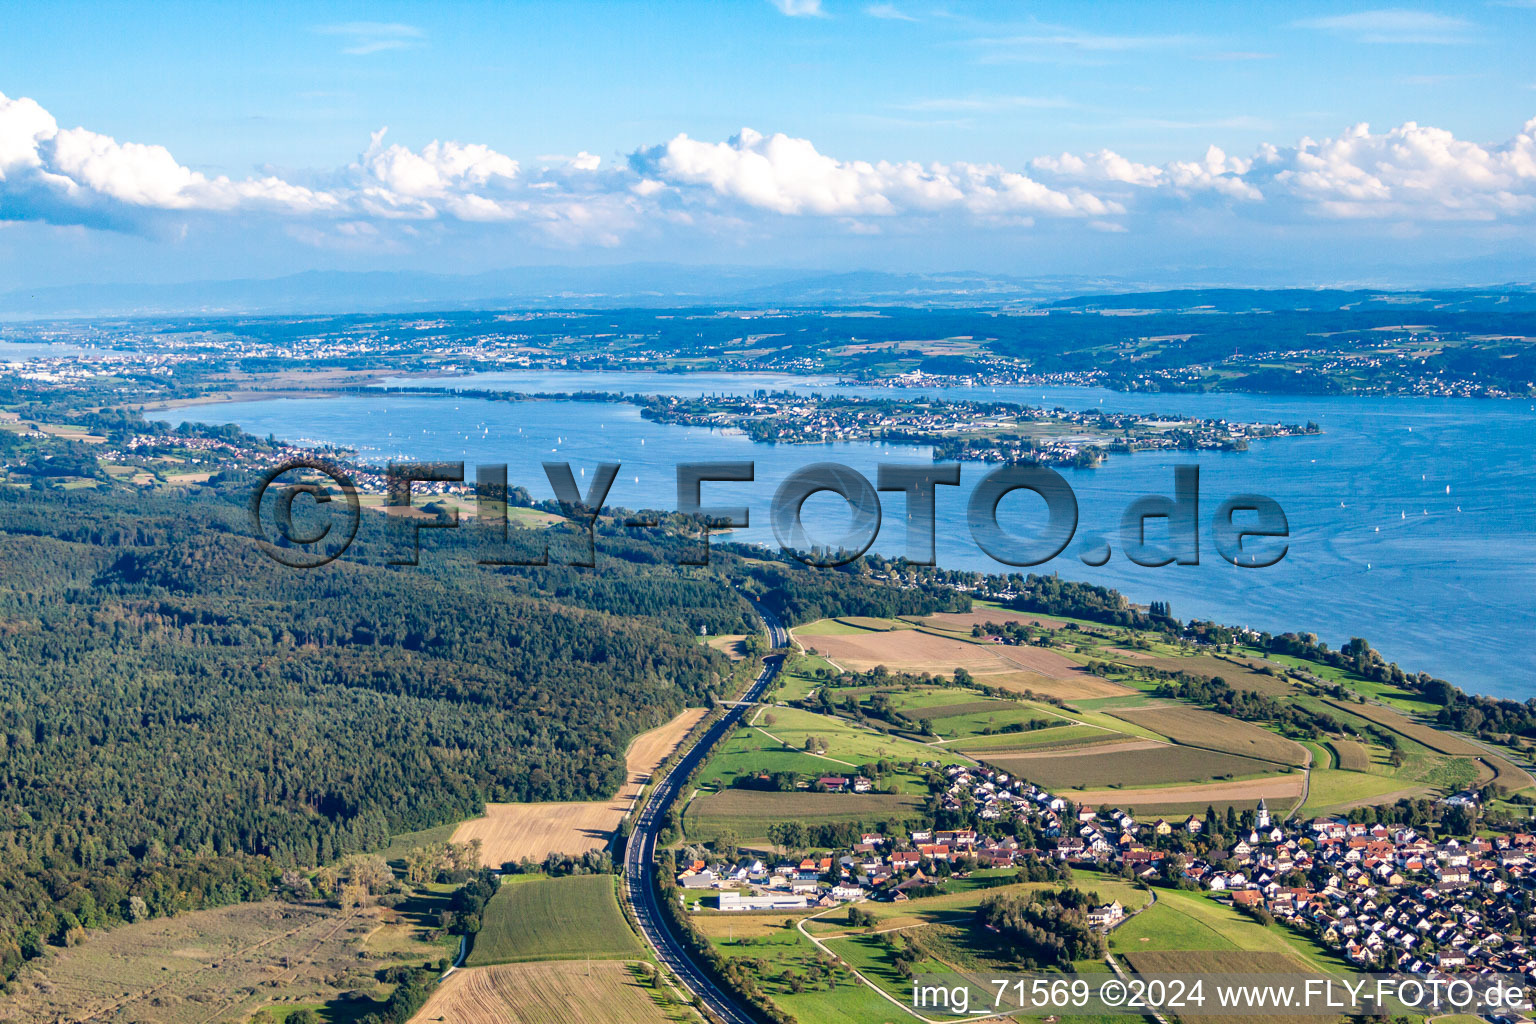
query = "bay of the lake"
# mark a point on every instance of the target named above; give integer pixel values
(1412, 519)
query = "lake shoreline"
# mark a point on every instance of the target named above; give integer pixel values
(1379, 547)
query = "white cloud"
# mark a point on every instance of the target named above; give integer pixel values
(365, 37)
(1101, 166)
(79, 176)
(1394, 25)
(889, 12)
(789, 176)
(1407, 175)
(1412, 172)
(800, 8)
(437, 169)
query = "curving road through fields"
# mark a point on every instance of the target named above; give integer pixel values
(640, 856)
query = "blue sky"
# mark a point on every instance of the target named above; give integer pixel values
(1029, 138)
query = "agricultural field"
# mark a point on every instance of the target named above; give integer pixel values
(1332, 790)
(917, 701)
(1218, 962)
(212, 965)
(1066, 736)
(1069, 688)
(749, 750)
(1187, 921)
(1142, 763)
(554, 919)
(980, 717)
(748, 813)
(1214, 961)
(517, 832)
(1434, 739)
(1421, 770)
(875, 623)
(1223, 961)
(557, 992)
(845, 744)
(918, 650)
(1104, 720)
(1196, 727)
(1278, 791)
(1351, 755)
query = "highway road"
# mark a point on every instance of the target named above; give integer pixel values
(639, 859)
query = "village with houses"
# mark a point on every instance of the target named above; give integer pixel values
(1383, 897)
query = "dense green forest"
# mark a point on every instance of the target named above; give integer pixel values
(181, 717)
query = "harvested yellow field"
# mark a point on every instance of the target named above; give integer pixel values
(1196, 727)
(518, 832)
(549, 992)
(1275, 789)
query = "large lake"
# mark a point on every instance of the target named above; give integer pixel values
(1412, 520)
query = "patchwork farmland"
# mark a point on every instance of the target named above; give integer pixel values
(1196, 727)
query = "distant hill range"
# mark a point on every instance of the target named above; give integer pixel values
(673, 285)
